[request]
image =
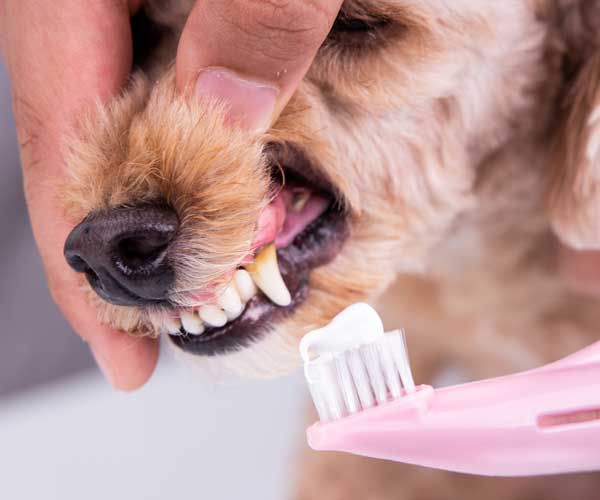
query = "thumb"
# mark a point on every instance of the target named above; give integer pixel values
(250, 53)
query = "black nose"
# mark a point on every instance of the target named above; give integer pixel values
(124, 253)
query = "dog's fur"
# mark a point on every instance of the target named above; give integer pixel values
(462, 139)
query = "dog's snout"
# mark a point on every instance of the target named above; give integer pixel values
(124, 253)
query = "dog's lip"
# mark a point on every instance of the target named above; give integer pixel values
(316, 245)
(296, 161)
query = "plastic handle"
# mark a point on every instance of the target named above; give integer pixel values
(544, 421)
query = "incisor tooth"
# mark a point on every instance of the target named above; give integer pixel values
(172, 325)
(192, 323)
(244, 284)
(213, 315)
(265, 273)
(234, 314)
(230, 301)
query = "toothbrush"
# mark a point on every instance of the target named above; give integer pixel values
(543, 421)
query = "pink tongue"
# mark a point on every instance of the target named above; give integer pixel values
(279, 223)
(296, 222)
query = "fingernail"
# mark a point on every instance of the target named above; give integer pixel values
(250, 104)
(104, 367)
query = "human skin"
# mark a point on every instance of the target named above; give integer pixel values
(63, 59)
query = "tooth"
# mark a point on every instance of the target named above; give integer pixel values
(230, 301)
(234, 314)
(192, 323)
(265, 273)
(299, 200)
(172, 325)
(244, 284)
(212, 315)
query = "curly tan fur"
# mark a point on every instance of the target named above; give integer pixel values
(189, 159)
(461, 139)
(575, 200)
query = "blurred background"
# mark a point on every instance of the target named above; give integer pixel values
(65, 434)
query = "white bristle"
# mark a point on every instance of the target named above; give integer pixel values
(326, 393)
(390, 373)
(346, 384)
(400, 355)
(319, 401)
(361, 379)
(365, 376)
(370, 355)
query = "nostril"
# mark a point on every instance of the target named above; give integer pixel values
(139, 252)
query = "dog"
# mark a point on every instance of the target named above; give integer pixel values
(433, 161)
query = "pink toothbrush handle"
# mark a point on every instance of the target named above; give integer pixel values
(544, 421)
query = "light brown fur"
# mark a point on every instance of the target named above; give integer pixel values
(460, 144)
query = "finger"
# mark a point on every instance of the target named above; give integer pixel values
(252, 53)
(61, 60)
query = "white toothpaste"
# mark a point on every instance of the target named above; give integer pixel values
(356, 325)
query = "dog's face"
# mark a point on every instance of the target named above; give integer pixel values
(365, 169)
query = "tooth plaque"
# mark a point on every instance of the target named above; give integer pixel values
(265, 273)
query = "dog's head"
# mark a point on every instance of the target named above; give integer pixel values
(181, 217)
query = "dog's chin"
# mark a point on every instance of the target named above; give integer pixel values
(317, 244)
(273, 354)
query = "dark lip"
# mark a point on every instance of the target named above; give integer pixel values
(317, 245)
(297, 164)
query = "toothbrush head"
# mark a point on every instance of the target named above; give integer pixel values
(351, 365)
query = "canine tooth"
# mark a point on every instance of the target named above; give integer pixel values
(230, 301)
(172, 325)
(244, 284)
(192, 323)
(213, 315)
(265, 273)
